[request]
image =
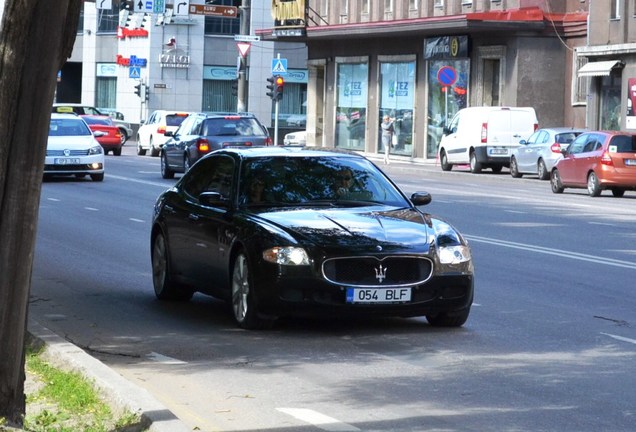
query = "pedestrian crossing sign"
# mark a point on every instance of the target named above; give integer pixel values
(279, 66)
(134, 72)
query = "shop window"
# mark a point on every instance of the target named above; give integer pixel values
(397, 98)
(106, 92)
(610, 103)
(351, 105)
(292, 108)
(217, 96)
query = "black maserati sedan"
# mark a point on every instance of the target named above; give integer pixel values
(301, 231)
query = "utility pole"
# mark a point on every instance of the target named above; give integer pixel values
(242, 78)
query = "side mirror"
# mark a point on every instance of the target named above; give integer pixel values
(168, 133)
(523, 142)
(142, 122)
(421, 198)
(213, 199)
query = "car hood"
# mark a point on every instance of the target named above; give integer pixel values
(77, 142)
(399, 229)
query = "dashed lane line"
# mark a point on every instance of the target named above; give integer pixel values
(319, 420)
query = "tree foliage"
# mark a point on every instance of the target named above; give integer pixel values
(36, 38)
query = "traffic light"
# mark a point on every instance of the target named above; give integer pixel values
(146, 93)
(280, 86)
(235, 87)
(138, 89)
(271, 87)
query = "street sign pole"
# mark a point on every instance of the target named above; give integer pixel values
(276, 115)
(241, 105)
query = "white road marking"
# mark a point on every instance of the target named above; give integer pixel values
(91, 208)
(319, 420)
(54, 199)
(620, 338)
(160, 358)
(137, 220)
(146, 182)
(558, 252)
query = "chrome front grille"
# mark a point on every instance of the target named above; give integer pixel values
(67, 153)
(371, 271)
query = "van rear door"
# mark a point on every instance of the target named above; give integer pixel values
(523, 123)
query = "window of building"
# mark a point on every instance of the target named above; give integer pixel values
(439, 3)
(224, 26)
(292, 108)
(615, 12)
(413, 4)
(106, 92)
(80, 26)
(351, 105)
(324, 8)
(108, 19)
(344, 7)
(388, 5)
(397, 99)
(579, 84)
(365, 7)
(217, 96)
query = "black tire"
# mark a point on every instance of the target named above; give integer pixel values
(475, 166)
(542, 170)
(165, 288)
(244, 303)
(117, 151)
(593, 185)
(449, 319)
(618, 192)
(186, 163)
(97, 177)
(124, 136)
(166, 172)
(140, 151)
(153, 150)
(555, 182)
(444, 162)
(514, 169)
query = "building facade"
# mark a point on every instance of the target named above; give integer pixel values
(185, 60)
(607, 66)
(420, 61)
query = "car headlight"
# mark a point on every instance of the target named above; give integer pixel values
(454, 254)
(95, 150)
(288, 255)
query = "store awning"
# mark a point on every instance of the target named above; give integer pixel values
(602, 68)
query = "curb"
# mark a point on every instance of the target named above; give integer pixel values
(120, 393)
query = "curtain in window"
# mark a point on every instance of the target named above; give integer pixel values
(217, 96)
(106, 92)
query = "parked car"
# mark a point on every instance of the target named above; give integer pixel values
(296, 138)
(202, 133)
(539, 153)
(598, 161)
(485, 136)
(303, 247)
(111, 139)
(151, 134)
(124, 127)
(72, 149)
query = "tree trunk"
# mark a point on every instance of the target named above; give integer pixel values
(36, 38)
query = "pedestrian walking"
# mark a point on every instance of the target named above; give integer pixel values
(388, 130)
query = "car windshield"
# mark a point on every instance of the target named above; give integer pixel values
(623, 144)
(104, 121)
(315, 181)
(68, 127)
(175, 119)
(232, 127)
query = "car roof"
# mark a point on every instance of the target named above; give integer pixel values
(211, 114)
(65, 116)
(273, 151)
(562, 129)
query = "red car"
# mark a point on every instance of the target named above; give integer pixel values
(597, 161)
(111, 139)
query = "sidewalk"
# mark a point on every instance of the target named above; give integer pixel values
(119, 393)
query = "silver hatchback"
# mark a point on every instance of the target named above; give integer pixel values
(539, 153)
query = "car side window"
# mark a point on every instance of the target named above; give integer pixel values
(593, 143)
(213, 174)
(623, 144)
(543, 137)
(533, 138)
(578, 144)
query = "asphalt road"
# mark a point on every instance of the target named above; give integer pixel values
(550, 344)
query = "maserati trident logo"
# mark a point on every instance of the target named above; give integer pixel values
(380, 273)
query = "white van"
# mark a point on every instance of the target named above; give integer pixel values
(485, 136)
